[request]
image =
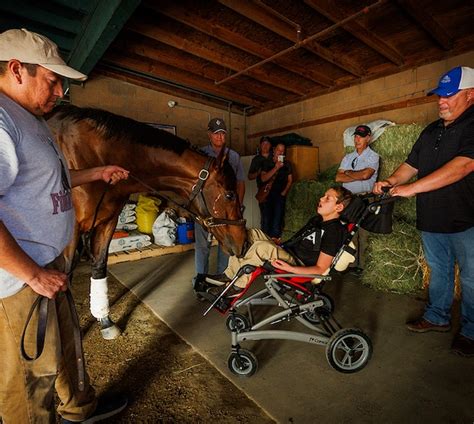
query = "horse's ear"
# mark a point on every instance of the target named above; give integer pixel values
(222, 157)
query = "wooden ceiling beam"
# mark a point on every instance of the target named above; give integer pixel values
(268, 74)
(330, 10)
(260, 16)
(223, 32)
(423, 17)
(168, 73)
(132, 45)
(172, 90)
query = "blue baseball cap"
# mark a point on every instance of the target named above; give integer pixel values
(453, 81)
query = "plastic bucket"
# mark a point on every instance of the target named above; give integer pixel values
(185, 232)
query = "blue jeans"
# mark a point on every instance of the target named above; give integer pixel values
(202, 251)
(273, 214)
(442, 251)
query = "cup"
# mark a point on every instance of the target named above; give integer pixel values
(281, 158)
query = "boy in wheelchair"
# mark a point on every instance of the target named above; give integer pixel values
(310, 251)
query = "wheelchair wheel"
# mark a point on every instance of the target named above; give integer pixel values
(242, 363)
(327, 308)
(349, 350)
(237, 322)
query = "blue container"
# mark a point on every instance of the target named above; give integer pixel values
(186, 232)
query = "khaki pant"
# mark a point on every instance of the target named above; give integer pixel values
(262, 249)
(27, 387)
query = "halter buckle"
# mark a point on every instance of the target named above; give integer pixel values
(203, 174)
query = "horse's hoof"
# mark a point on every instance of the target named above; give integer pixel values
(108, 329)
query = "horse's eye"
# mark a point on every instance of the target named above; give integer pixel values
(230, 195)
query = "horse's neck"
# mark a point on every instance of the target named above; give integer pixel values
(166, 171)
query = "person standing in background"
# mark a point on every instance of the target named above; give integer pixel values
(217, 131)
(358, 173)
(358, 170)
(264, 152)
(279, 170)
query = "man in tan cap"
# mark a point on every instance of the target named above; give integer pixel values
(33, 234)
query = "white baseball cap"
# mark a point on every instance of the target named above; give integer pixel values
(29, 47)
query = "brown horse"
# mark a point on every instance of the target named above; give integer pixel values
(156, 160)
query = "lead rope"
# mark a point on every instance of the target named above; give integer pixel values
(42, 303)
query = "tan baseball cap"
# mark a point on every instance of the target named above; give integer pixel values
(29, 47)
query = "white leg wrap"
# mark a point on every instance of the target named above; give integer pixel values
(99, 298)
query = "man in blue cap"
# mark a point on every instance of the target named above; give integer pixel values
(442, 160)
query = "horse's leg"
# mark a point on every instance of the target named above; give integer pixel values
(99, 306)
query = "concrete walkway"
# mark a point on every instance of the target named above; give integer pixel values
(411, 378)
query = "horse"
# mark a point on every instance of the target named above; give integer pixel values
(157, 160)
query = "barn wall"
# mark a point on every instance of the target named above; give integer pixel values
(151, 106)
(391, 89)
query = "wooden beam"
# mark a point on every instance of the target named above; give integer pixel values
(169, 73)
(334, 13)
(172, 90)
(424, 18)
(182, 13)
(207, 48)
(259, 15)
(133, 45)
(349, 115)
(102, 27)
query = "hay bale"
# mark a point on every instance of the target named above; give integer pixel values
(395, 261)
(301, 204)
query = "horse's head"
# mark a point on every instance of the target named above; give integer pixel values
(222, 207)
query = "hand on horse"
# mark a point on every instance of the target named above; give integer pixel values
(48, 282)
(114, 173)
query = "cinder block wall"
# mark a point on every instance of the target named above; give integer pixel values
(391, 89)
(151, 106)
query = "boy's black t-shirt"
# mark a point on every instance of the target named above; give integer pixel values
(315, 237)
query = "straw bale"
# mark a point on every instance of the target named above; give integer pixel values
(396, 142)
(301, 203)
(395, 261)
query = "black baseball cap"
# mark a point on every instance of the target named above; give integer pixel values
(362, 130)
(216, 125)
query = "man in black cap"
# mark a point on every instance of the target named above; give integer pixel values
(358, 173)
(217, 131)
(358, 170)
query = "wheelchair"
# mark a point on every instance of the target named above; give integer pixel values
(299, 297)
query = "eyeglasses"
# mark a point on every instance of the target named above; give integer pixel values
(354, 162)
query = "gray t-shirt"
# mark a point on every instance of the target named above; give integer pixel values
(35, 202)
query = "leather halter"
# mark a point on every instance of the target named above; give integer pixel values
(197, 190)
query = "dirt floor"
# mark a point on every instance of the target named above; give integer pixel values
(165, 379)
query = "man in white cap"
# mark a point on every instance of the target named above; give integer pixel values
(442, 160)
(216, 131)
(33, 234)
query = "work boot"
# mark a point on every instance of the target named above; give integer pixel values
(107, 406)
(421, 325)
(462, 346)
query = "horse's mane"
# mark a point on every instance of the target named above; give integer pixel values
(115, 127)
